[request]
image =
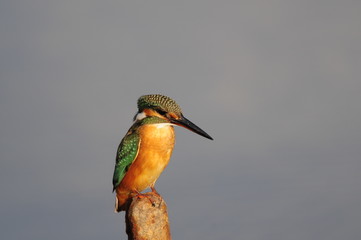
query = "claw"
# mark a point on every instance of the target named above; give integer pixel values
(154, 191)
(140, 195)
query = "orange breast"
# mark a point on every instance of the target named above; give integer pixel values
(155, 150)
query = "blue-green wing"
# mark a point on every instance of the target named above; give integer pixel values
(127, 152)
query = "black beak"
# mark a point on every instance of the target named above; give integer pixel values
(183, 122)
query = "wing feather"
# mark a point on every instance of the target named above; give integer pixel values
(126, 154)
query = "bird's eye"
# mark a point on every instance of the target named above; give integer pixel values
(161, 112)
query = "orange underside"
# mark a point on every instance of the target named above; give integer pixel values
(155, 150)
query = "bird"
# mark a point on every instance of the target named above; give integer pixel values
(146, 149)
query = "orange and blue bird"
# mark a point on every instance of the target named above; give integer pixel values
(145, 150)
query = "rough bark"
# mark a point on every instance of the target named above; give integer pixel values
(147, 218)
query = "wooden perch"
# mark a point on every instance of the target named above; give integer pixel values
(147, 218)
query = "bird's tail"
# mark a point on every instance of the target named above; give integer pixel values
(122, 201)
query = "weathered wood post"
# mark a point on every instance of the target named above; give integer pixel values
(147, 218)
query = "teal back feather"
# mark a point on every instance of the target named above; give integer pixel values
(129, 147)
(127, 152)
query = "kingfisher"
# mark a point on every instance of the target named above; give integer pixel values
(146, 149)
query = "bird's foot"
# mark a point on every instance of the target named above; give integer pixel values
(155, 191)
(157, 194)
(140, 195)
(150, 198)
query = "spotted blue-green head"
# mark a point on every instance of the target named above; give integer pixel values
(166, 108)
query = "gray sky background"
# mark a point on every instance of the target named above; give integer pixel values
(275, 83)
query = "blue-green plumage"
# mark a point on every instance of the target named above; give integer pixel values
(145, 150)
(128, 149)
(127, 152)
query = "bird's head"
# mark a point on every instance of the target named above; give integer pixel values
(156, 105)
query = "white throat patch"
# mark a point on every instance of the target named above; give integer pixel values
(140, 116)
(161, 125)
